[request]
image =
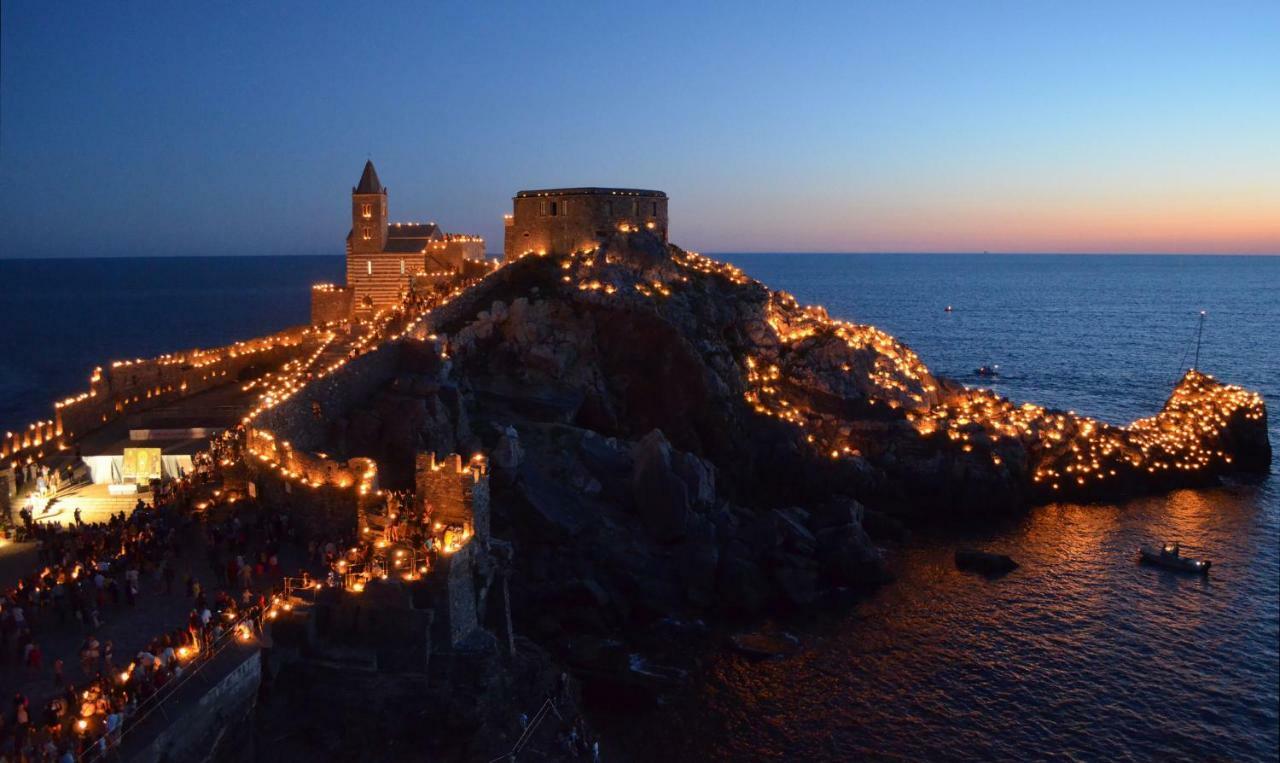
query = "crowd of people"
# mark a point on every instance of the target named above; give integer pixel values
(87, 572)
(41, 480)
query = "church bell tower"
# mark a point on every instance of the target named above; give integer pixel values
(368, 213)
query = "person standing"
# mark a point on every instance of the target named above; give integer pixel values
(34, 656)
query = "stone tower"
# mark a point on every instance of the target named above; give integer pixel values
(368, 213)
(456, 492)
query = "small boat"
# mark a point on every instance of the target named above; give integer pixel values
(1170, 557)
(987, 372)
(949, 309)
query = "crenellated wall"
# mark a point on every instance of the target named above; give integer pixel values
(455, 493)
(130, 386)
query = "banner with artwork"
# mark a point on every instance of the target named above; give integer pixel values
(141, 464)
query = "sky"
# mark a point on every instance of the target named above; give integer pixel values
(219, 128)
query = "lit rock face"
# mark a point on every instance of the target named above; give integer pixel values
(638, 335)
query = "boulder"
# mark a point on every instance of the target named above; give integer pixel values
(986, 563)
(837, 512)
(847, 557)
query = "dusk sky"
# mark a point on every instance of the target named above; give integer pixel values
(134, 128)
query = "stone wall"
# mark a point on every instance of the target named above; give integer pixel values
(195, 719)
(560, 221)
(457, 249)
(452, 583)
(306, 419)
(131, 386)
(381, 623)
(331, 303)
(325, 498)
(455, 492)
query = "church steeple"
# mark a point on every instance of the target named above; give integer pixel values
(369, 180)
(368, 213)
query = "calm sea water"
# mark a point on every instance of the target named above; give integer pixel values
(60, 318)
(1080, 654)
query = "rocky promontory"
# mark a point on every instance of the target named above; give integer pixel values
(672, 439)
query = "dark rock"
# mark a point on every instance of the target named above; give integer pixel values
(741, 583)
(986, 563)
(834, 513)
(699, 558)
(661, 496)
(847, 557)
(760, 646)
(797, 579)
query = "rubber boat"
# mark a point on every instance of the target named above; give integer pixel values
(1170, 557)
(987, 371)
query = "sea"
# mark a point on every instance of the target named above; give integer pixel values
(1080, 654)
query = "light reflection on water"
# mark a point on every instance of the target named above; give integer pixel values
(1081, 651)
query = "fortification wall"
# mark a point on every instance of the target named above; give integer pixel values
(569, 220)
(327, 496)
(130, 386)
(305, 419)
(331, 303)
(457, 249)
(455, 492)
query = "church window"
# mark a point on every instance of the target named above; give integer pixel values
(366, 210)
(401, 267)
(367, 232)
(542, 207)
(368, 266)
(553, 209)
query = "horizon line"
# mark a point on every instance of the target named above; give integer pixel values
(831, 253)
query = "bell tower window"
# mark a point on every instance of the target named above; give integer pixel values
(367, 232)
(366, 210)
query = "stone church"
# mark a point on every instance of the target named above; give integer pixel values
(386, 259)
